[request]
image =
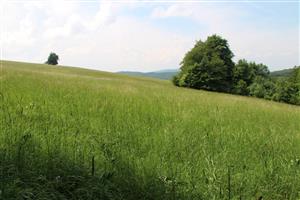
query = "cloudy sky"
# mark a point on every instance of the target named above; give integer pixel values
(147, 36)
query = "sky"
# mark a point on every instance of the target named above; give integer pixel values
(126, 35)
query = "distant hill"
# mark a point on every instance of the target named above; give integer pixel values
(162, 74)
(169, 73)
(282, 73)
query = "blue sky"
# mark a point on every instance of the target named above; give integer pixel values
(147, 36)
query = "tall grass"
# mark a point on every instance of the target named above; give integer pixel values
(69, 133)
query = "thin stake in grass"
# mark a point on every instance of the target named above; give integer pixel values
(93, 165)
(229, 183)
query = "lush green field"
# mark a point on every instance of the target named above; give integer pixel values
(70, 133)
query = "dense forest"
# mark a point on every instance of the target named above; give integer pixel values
(209, 66)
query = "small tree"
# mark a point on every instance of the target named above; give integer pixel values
(52, 59)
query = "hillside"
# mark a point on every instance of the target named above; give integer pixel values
(72, 133)
(282, 73)
(168, 74)
(163, 74)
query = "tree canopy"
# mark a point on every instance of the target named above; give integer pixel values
(207, 66)
(52, 59)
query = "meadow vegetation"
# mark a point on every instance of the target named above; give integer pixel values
(71, 133)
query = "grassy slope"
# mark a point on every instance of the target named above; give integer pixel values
(148, 139)
(165, 75)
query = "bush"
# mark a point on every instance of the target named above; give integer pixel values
(262, 88)
(245, 73)
(241, 88)
(175, 80)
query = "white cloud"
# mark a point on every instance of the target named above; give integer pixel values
(104, 16)
(106, 39)
(275, 47)
(103, 40)
(212, 15)
(172, 11)
(129, 44)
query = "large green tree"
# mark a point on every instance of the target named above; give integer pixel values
(52, 59)
(208, 65)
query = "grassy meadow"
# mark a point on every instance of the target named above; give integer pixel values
(71, 133)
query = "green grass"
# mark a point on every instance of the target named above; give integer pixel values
(70, 133)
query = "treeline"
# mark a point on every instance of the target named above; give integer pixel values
(209, 66)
